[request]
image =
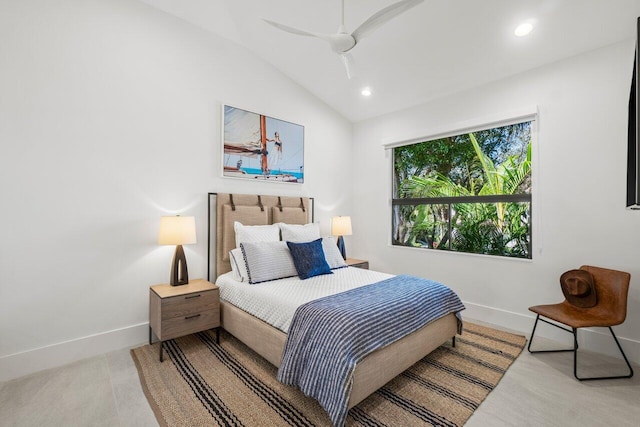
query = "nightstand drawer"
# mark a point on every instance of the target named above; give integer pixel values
(175, 311)
(190, 323)
(185, 305)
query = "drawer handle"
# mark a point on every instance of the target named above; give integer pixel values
(192, 296)
(192, 317)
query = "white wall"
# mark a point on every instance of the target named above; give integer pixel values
(579, 191)
(110, 118)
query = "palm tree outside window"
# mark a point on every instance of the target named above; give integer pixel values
(466, 193)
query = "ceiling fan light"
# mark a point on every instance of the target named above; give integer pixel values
(366, 91)
(523, 29)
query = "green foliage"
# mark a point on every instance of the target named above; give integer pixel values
(477, 229)
(453, 156)
(492, 162)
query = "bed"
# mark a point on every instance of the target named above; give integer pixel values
(372, 372)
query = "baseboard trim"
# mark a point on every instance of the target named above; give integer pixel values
(31, 361)
(596, 340)
(51, 356)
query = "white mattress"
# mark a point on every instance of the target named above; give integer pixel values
(275, 302)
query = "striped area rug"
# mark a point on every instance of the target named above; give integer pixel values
(202, 383)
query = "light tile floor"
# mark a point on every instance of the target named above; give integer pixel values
(538, 390)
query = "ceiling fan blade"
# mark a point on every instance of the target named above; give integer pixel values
(349, 64)
(293, 30)
(382, 16)
(338, 42)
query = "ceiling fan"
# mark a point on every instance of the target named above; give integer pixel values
(342, 42)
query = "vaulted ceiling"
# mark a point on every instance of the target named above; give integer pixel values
(438, 47)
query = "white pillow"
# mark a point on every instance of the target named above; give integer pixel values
(256, 233)
(299, 233)
(268, 261)
(238, 266)
(332, 253)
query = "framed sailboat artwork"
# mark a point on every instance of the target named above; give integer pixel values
(261, 148)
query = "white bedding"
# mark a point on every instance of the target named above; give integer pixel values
(275, 302)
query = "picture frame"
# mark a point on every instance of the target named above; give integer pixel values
(258, 147)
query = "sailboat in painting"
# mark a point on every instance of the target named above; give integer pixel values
(259, 147)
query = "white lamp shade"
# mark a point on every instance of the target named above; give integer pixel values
(341, 226)
(177, 230)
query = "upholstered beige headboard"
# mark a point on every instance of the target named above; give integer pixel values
(248, 209)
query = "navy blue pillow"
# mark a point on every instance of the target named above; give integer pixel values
(309, 259)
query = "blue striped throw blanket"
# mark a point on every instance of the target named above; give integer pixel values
(330, 335)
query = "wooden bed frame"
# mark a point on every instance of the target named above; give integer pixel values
(373, 371)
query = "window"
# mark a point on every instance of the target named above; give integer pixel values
(465, 193)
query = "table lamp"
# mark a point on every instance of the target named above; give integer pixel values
(341, 226)
(178, 230)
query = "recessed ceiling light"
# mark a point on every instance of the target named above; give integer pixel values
(366, 91)
(523, 29)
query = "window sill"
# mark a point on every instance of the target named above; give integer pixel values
(468, 254)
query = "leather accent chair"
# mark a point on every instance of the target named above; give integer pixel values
(611, 288)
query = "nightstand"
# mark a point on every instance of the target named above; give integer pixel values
(175, 311)
(352, 262)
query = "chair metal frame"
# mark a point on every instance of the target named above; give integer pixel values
(574, 331)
